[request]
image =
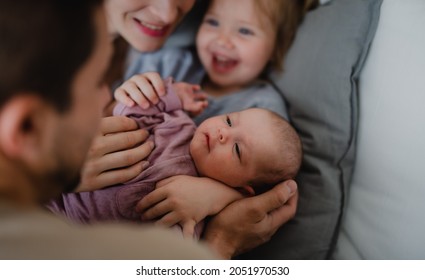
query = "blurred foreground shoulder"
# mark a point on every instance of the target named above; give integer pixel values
(34, 234)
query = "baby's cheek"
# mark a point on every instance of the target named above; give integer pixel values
(227, 159)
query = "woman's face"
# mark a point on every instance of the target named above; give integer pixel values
(145, 24)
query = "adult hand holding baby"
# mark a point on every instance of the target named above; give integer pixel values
(115, 157)
(248, 223)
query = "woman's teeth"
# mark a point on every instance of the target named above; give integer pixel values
(150, 26)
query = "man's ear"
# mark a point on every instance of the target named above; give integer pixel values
(21, 120)
(247, 190)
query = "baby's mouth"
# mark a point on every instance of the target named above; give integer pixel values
(223, 64)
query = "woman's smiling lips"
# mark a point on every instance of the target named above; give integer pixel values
(151, 29)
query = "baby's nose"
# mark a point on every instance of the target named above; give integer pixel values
(223, 135)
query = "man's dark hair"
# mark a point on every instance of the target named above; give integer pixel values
(43, 44)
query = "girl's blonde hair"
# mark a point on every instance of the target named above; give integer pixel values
(285, 16)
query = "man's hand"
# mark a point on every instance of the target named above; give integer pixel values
(185, 200)
(250, 222)
(116, 154)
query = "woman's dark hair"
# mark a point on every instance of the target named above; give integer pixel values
(43, 44)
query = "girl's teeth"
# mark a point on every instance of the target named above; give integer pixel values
(221, 58)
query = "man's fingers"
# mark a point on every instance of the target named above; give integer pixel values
(117, 142)
(164, 182)
(168, 220)
(117, 124)
(281, 215)
(282, 192)
(112, 177)
(276, 197)
(151, 199)
(189, 229)
(158, 210)
(126, 157)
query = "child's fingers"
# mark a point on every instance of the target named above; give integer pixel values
(147, 87)
(201, 105)
(196, 87)
(195, 108)
(148, 92)
(198, 106)
(156, 82)
(190, 106)
(122, 96)
(200, 96)
(134, 92)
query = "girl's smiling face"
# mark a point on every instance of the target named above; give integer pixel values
(233, 43)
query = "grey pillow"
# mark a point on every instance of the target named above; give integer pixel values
(320, 86)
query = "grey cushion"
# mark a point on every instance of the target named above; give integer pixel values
(320, 86)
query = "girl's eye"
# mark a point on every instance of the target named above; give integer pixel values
(245, 31)
(238, 152)
(211, 21)
(228, 121)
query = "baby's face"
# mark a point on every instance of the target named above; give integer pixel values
(232, 148)
(233, 45)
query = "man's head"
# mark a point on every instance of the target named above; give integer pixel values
(53, 55)
(254, 147)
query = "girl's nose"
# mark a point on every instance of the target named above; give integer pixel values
(224, 41)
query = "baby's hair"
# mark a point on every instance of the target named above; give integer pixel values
(285, 16)
(289, 149)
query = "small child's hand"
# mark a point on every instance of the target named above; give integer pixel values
(142, 89)
(194, 101)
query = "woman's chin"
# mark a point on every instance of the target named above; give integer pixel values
(147, 44)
